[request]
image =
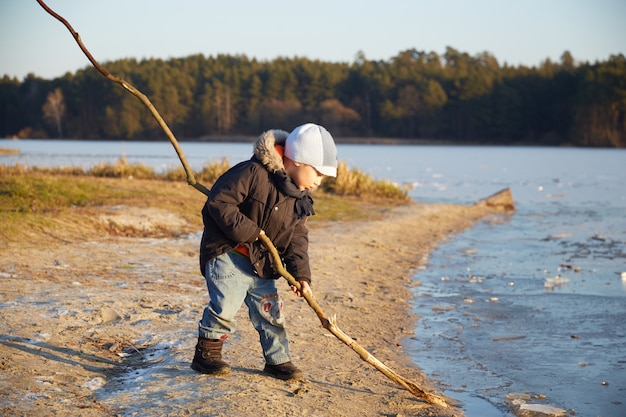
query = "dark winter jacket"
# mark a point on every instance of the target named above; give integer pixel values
(248, 198)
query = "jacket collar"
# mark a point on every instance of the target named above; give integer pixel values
(266, 153)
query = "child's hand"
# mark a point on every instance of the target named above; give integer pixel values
(305, 288)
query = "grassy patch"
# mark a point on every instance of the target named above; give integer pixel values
(349, 181)
(67, 201)
(30, 192)
(330, 207)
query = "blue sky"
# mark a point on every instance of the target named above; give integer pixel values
(516, 32)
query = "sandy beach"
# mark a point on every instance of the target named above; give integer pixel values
(106, 325)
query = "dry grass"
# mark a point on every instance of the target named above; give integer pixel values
(353, 182)
(68, 201)
(8, 151)
(349, 182)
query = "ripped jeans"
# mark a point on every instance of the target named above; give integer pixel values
(231, 281)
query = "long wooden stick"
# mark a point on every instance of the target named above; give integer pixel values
(327, 323)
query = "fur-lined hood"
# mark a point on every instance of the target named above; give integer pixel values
(265, 151)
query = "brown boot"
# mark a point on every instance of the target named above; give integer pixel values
(284, 371)
(208, 357)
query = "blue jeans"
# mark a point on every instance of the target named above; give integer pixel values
(231, 281)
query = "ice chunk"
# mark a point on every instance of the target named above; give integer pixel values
(555, 282)
(540, 410)
(442, 308)
(95, 383)
(518, 403)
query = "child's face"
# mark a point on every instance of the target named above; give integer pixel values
(304, 176)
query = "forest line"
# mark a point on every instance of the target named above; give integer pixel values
(415, 95)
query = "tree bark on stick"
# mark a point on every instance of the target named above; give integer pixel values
(327, 323)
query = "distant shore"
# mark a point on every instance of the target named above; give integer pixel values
(345, 140)
(5, 151)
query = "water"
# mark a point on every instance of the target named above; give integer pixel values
(85, 154)
(534, 302)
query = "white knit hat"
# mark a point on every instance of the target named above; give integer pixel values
(311, 144)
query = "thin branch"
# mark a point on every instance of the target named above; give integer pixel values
(191, 179)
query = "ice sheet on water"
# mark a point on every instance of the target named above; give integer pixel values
(520, 406)
(540, 410)
(555, 281)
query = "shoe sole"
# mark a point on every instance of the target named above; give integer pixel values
(216, 372)
(296, 376)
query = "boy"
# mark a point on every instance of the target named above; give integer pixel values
(268, 194)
